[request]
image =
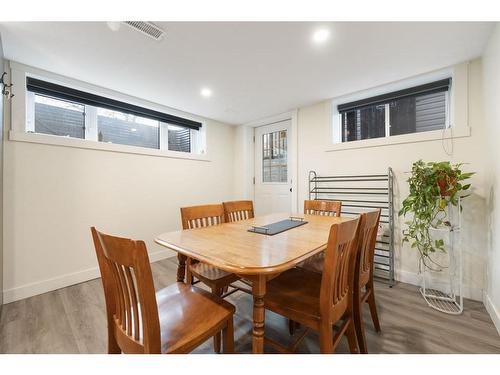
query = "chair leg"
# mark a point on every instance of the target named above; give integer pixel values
(228, 341)
(373, 310)
(351, 338)
(113, 347)
(359, 324)
(181, 268)
(325, 339)
(217, 337)
(291, 327)
(189, 275)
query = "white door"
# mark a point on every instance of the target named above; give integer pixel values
(272, 173)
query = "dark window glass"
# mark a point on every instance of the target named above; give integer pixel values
(363, 123)
(372, 122)
(418, 113)
(59, 117)
(402, 116)
(349, 120)
(127, 129)
(430, 112)
(179, 138)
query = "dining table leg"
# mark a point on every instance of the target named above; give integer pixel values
(181, 267)
(259, 314)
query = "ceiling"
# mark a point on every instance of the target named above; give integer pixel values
(254, 69)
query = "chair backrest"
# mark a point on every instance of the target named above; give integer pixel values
(202, 216)
(338, 271)
(323, 208)
(238, 210)
(131, 306)
(366, 252)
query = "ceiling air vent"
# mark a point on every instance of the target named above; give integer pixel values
(147, 28)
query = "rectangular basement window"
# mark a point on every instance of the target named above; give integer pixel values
(413, 110)
(66, 112)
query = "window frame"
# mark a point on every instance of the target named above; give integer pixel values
(457, 111)
(21, 124)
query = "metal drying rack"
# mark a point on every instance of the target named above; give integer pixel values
(358, 194)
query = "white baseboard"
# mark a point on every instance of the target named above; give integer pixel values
(493, 311)
(48, 285)
(412, 278)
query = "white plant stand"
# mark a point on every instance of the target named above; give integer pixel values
(448, 297)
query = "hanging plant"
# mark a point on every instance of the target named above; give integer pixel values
(432, 186)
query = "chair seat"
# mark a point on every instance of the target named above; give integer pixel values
(314, 263)
(189, 316)
(295, 294)
(212, 276)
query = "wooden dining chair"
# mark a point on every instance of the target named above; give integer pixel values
(364, 290)
(216, 279)
(323, 208)
(363, 278)
(175, 319)
(238, 210)
(319, 301)
(315, 263)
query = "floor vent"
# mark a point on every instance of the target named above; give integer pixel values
(147, 28)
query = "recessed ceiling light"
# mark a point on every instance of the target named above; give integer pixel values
(206, 92)
(133, 130)
(320, 36)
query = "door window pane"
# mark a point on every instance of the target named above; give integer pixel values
(126, 129)
(59, 117)
(274, 157)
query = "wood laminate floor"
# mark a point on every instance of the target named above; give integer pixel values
(72, 320)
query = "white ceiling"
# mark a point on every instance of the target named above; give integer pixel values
(254, 69)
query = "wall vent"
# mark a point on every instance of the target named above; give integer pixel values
(147, 28)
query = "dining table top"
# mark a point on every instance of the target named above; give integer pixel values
(232, 248)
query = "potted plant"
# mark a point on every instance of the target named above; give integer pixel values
(432, 186)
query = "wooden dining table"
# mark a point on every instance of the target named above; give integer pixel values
(255, 257)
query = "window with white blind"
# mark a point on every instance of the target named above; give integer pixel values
(66, 112)
(413, 110)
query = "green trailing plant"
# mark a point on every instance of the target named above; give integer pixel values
(432, 186)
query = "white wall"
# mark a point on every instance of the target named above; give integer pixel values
(491, 87)
(53, 194)
(1, 178)
(244, 162)
(314, 139)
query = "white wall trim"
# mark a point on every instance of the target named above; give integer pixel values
(493, 311)
(413, 278)
(272, 119)
(293, 151)
(18, 127)
(294, 156)
(55, 140)
(434, 135)
(458, 118)
(62, 281)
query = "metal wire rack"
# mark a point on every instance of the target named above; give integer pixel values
(358, 194)
(448, 297)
